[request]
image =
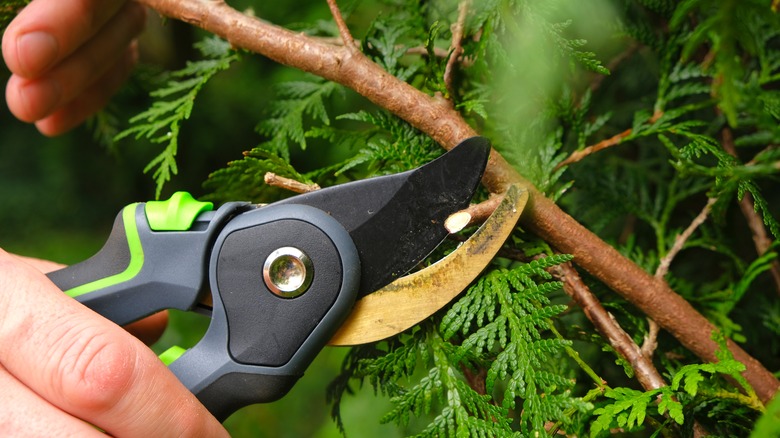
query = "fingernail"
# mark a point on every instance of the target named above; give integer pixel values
(37, 51)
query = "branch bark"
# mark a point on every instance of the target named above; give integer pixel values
(292, 185)
(448, 128)
(761, 238)
(456, 48)
(604, 144)
(646, 373)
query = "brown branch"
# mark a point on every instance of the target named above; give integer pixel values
(445, 125)
(603, 144)
(761, 238)
(346, 36)
(475, 379)
(650, 342)
(292, 185)
(646, 373)
(456, 48)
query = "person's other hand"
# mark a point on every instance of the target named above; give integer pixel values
(68, 58)
(63, 369)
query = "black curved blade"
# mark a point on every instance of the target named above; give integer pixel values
(397, 220)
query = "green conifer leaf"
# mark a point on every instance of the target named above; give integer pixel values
(628, 410)
(299, 103)
(173, 105)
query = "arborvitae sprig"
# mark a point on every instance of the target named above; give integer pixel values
(498, 325)
(391, 145)
(299, 104)
(173, 105)
(691, 386)
(245, 179)
(502, 317)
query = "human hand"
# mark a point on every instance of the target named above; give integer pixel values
(64, 368)
(68, 58)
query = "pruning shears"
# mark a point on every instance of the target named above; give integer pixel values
(281, 281)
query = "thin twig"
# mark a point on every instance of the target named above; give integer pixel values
(603, 144)
(650, 341)
(292, 185)
(420, 50)
(346, 36)
(476, 380)
(761, 238)
(679, 241)
(646, 373)
(456, 48)
(473, 215)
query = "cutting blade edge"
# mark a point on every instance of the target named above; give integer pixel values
(396, 220)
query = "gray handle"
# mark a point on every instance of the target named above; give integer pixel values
(140, 271)
(258, 343)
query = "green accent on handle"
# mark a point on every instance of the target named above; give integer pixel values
(175, 214)
(168, 356)
(136, 258)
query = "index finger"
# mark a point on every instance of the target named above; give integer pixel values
(47, 31)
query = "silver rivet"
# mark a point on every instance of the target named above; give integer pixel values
(288, 272)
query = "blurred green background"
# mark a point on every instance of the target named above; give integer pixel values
(60, 195)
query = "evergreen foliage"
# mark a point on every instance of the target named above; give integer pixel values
(499, 332)
(495, 362)
(173, 105)
(683, 99)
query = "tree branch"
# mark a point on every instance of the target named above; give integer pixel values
(648, 347)
(292, 185)
(603, 144)
(346, 36)
(646, 373)
(445, 125)
(761, 238)
(473, 215)
(679, 241)
(456, 48)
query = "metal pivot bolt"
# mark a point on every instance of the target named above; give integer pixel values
(288, 272)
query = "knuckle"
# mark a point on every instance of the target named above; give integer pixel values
(13, 325)
(85, 12)
(94, 369)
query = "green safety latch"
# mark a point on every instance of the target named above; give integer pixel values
(175, 214)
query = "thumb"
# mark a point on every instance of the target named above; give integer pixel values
(87, 366)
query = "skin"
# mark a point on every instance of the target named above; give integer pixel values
(68, 58)
(64, 370)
